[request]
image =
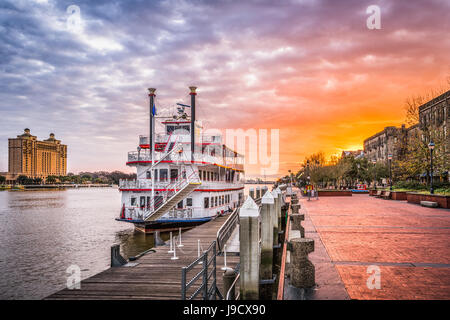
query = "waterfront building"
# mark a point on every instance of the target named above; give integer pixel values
(434, 116)
(357, 154)
(36, 159)
(386, 142)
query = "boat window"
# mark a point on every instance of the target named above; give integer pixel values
(173, 174)
(163, 174)
(148, 202)
(142, 202)
(180, 205)
(206, 202)
(215, 201)
(187, 128)
(223, 199)
(155, 174)
(148, 175)
(133, 201)
(170, 129)
(200, 174)
(189, 202)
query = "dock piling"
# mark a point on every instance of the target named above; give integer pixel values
(116, 258)
(249, 250)
(268, 206)
(251, 193)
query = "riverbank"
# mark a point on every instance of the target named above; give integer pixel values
(56, 186)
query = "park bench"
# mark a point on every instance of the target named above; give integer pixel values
(386, 195)
(429, 204)
(379, 194)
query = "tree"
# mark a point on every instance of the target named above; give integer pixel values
(2, 180)
(51, 179)
(415, 158)
(22, 179)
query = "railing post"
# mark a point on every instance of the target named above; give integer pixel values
(249, 249)
(268, 205)
(205, 275)
(183, 283)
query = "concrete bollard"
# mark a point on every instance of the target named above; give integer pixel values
(250, 258)
(228, 278)
(251, 193)
(275, 218)
(258, 192)
(302, 270)
(268, 205)
(116, 258)
(297, 219)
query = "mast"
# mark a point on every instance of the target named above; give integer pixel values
(192, 94)
(150, 137)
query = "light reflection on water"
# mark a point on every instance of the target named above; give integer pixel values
(44, 232)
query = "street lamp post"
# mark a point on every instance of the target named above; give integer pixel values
(390, 171)
(374, 176)
(431, 147)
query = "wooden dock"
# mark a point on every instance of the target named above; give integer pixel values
(155, 275)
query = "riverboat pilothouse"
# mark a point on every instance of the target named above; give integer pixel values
(183, 177)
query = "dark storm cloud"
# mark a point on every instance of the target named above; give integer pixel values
(299, 57)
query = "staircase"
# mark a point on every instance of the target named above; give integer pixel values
(171, 201)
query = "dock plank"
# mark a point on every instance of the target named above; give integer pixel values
(156, 276)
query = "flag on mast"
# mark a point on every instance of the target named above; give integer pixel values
(154, 110)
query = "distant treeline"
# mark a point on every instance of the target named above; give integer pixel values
(82, 177)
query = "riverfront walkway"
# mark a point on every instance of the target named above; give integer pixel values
(409, 243)
(155, 275)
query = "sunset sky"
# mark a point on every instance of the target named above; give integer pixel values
(310, 68)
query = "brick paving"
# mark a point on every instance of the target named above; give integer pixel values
(409, 243)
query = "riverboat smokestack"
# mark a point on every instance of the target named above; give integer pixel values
(152, 103)
(193, 94)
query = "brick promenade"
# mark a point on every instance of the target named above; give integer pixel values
(409, 243)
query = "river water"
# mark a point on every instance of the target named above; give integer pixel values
(44, 232)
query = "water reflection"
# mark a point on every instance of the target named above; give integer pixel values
(42, 233)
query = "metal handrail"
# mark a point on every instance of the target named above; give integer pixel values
(280, 293)
(233, 287)
(225, 231)
(207, 292)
